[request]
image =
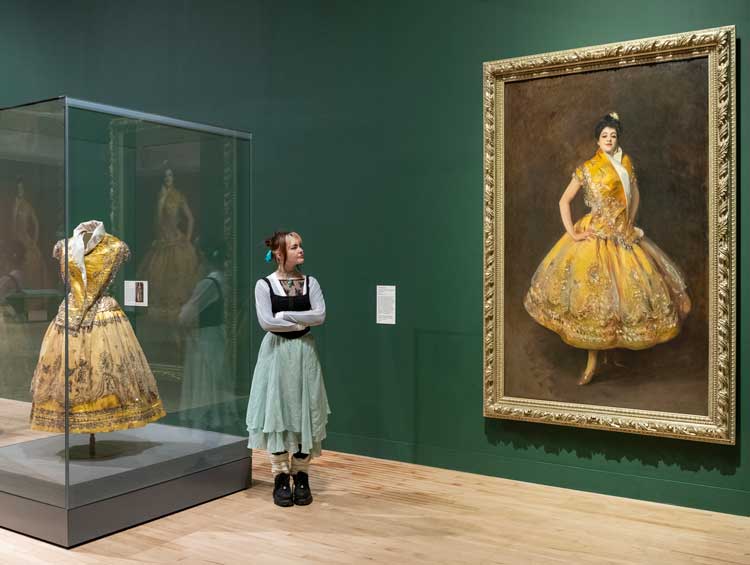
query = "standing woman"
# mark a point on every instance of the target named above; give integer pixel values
(288, 408)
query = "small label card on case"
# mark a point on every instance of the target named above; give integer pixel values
(136, 293)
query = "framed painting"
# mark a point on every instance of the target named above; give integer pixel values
(142, 156)
(610, 237)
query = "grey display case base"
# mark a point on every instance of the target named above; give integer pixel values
(180, 468)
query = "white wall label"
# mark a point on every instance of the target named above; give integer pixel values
(386, 304)
(136, 293)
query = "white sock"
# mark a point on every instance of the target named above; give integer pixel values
(280, 463)
(300, 464)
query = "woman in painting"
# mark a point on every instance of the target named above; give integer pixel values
(171, 265)
(604, 285)
(25, 229)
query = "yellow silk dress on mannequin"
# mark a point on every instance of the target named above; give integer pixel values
(171, 265)
(616, 289)
(111, 386)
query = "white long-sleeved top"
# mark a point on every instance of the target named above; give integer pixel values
(288, 321)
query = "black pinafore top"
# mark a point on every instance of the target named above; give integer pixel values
(213, 314)
(298, 303)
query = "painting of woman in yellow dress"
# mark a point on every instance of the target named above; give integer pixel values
(605, 285)
(171, 265)
(25, 229)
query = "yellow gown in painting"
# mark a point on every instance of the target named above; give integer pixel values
(25, 229)
(616, 289)
(110, 384)
(171, 265)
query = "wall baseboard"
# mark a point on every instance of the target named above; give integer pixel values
(693, 495)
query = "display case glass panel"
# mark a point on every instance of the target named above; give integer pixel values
(32, 204)
(134, 377)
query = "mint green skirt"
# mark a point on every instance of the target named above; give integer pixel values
(288, 406)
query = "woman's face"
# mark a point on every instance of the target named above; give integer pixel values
(608, 140)
(168, 177)
(294, 254)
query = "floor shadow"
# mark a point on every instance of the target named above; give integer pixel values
(106, 450)
(589, 444)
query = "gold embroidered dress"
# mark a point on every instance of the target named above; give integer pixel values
(616, 289)
(111, 386)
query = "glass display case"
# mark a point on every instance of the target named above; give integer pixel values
(122, 377)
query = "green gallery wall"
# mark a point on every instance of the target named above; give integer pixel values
(367, 123)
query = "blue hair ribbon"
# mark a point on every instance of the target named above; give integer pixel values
(269, 255)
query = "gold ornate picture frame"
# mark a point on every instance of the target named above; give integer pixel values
(675, 97)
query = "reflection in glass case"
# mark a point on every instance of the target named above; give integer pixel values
(120, 266)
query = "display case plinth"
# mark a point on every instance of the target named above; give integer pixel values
(103, 499)
(78, 525)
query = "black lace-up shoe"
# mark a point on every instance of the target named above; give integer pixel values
(302, 494)
(282, 493)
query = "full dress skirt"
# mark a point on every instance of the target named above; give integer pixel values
(111, 386)
(604, 293)
(288, 408)
(171, 267)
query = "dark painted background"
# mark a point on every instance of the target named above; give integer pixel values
(549, 132)
(368, 140)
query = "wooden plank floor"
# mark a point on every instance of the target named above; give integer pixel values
(14, 422)
(372, 510)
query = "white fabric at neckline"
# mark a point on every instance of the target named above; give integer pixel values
(622, 172)
(77, 249)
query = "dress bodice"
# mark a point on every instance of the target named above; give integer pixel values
(171, 202)
(24, 221)
(605, 195)
(86, 294)
(290, 303)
